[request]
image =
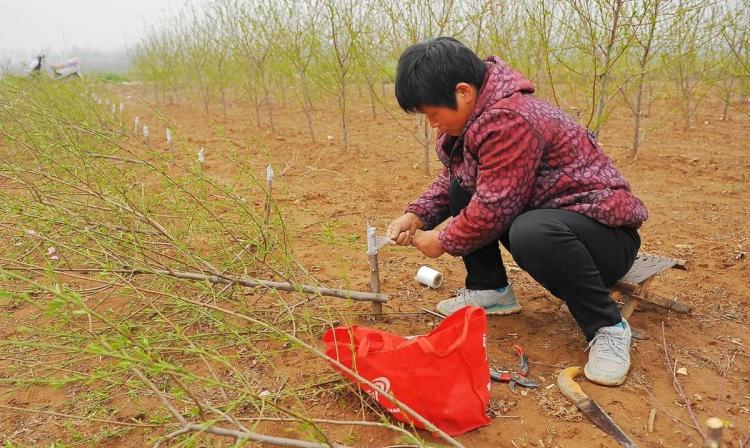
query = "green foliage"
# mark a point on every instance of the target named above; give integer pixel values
(582, 55)
(116, 78)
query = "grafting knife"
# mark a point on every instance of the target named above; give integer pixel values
(571, 389)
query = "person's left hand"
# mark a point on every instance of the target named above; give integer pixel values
(428, 243)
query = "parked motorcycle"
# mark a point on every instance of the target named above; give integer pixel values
(69, 69)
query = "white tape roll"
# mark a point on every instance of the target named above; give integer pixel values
(429, 277)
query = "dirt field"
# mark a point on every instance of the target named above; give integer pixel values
(696, 185)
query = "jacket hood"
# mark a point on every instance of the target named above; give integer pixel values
(500, 81)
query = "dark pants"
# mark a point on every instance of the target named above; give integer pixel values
(573, 256)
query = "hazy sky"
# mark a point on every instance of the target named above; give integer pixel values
(28, 26)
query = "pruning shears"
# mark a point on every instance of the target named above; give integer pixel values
(513, 378)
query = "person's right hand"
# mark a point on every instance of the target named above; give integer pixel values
(402, 229)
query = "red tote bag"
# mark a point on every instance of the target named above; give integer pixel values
(443, 375)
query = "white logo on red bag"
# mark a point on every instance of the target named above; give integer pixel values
(382, 385)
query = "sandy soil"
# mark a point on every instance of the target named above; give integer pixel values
(696, 184)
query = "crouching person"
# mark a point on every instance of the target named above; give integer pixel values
(520, 172)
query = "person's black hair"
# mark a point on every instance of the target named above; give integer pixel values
(428, 72)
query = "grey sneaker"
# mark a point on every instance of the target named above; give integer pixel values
(609, 355)
(493, 301)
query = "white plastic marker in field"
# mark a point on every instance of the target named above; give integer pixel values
(429, 277)
(269, 184)
(114, 111)
(201, 156)
(169, 139)
(145, 134)
(136, 124)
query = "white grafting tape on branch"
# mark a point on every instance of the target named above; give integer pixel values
(114, 111)
(201, 156)
(169, 139)
(145, 134)
(136, 124)
(269, 184)
(375, 242)
(122, 108)
(429, 277)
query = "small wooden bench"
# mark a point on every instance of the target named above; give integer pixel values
(634, 286)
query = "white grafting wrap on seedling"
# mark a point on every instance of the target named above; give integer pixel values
(136, 124)
(201, 155)
(375, 242)
(122, 107)
(169, 137)
(269, 174)
(145, 132)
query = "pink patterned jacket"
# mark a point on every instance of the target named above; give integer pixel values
(519, 153)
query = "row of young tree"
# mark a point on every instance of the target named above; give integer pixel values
(590, 57)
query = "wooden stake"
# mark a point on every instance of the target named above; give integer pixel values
(714, 427)
(651, 420)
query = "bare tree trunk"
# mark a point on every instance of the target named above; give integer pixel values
(650, 101)
(269, 106)
(204, 95)
(256, 103)
(342, 107)
(637, 124)
(282, 89)
(685, 84)
(372, 102)
(639, 94)
(605, 75)
(307, 106)
(727, 99)
(224, 103)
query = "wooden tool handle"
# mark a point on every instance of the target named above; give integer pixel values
(568, 386)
